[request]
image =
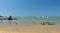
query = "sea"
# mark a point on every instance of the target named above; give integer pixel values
(35, 19)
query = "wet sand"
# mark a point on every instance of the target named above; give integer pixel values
(28, 28)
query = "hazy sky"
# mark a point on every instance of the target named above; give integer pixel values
(30, 7)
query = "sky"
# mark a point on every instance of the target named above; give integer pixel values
(30, 7)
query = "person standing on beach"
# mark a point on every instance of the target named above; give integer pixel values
(10, 18)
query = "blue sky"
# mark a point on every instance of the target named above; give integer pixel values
(30, 7)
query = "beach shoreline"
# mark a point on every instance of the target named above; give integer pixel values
(29, 28)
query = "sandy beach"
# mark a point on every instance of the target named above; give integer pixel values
(28, 28)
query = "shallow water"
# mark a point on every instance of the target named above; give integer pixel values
(28, 22)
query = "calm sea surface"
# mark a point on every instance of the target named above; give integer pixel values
(35, 19)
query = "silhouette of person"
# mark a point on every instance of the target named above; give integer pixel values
(10, 18)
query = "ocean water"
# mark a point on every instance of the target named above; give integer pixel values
(35, 19)
(53, 19)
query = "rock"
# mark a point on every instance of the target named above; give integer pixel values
(43, 23)
(51, 24)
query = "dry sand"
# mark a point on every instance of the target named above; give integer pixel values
(26, 28)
